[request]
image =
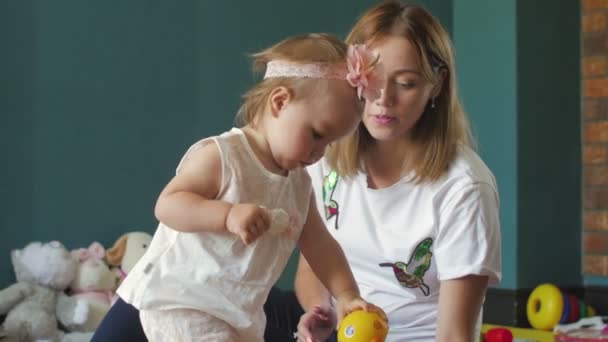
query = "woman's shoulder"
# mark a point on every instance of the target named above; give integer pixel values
(468, 168)
(467, 176)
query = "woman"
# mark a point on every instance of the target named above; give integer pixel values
(412, 205)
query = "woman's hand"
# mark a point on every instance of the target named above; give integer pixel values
(317, 324)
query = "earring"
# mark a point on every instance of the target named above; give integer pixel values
(433, 103)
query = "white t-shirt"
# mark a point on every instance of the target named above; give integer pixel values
(402, 240)
(215, 272)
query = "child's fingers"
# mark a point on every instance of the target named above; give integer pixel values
(373, 308)
(360, 304)
(261, 225)
(255, 230)
(248, 235)
(354, 306)
(246, 238)
(265, 217)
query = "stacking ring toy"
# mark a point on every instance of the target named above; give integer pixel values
(582, 308)
(545, 306)
(565, 310)
(574, 310)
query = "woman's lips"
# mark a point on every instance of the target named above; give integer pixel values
(383, 119)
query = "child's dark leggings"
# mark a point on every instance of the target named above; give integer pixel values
(120, 324)
(283, 312)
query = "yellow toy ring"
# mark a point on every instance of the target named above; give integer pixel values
(544, 307)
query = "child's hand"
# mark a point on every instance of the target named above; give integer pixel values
(248, 221)
(350, 302)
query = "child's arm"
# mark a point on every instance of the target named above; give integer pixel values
(320, 318)
(187, 203)
(325, 256)
(329, 264)
(308, 288)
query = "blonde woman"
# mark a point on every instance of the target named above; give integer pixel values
(412, 205)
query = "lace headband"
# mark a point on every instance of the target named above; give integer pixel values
(358, 71)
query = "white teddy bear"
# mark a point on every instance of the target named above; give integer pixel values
(36, 302)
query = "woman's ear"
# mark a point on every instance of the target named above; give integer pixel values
(278, 99)
(441, 79)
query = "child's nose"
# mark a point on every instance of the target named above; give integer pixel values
(317, 153)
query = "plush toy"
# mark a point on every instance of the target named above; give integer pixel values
(36, 302)
(127, 250)
(94, 283)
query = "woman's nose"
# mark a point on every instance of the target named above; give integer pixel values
(385, 99)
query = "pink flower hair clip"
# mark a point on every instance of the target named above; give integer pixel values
(361, 71)
(361, 64)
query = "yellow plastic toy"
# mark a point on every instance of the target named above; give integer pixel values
(362, 326)
(590, 311)
(544, 307)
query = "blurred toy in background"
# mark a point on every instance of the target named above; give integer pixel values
(591, 329)
(362, 326)
(127, 250)
(498, 335)
(36, 302)
(94, 283)
(548, 306)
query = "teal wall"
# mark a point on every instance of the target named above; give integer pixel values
(100, 99)
(595, 280)
(549, 143)
(485, 44)
(518, 67)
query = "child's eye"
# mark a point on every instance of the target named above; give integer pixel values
(316, 135)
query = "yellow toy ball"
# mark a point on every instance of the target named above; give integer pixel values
(544, 307)
(362, 326)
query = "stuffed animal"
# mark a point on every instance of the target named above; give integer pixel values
(127, 250)
(36, 302)
(94, 283)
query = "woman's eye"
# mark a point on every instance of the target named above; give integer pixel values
(406, 85)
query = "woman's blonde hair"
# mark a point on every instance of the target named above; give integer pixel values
(309, 48)
(439, 130)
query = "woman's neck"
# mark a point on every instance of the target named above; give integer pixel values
(386, 163)
(259, 144)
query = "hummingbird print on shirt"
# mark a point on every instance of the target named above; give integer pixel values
(331, 206)
(411, 274)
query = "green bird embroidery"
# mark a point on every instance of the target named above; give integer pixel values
(411, 274)
(331, 207)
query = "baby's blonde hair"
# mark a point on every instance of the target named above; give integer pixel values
(304, 49)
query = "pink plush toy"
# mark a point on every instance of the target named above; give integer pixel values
(95, 283)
